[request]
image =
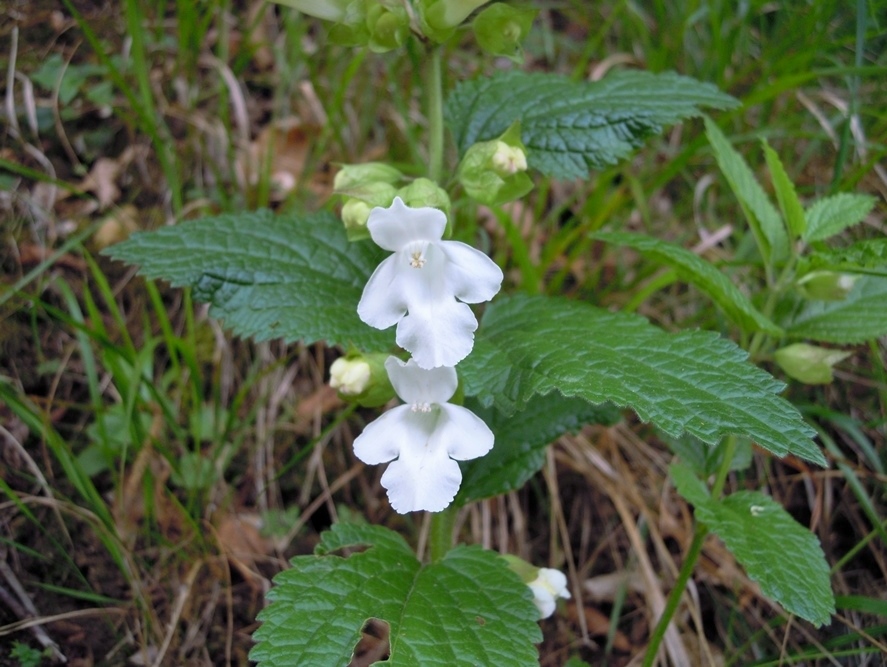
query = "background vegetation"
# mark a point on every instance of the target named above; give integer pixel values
(156, 473)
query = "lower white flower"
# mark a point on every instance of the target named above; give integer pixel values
(424, 436)
(547, 587)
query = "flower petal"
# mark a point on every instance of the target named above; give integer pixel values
(419, 385)
(423, 478)
(471, 276)
(383, 438)
(383, 303)
(462, 434)
(437, 333)
(394, 227)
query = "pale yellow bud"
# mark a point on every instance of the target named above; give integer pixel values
(508, 160)
(350, 376)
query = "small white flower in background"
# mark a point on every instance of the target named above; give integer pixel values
(424, 436)
(425, 285)
(350, 376)
(547, 587)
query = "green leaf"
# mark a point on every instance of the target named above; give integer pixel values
(860, 317)
(690, 381)
(692, 268)
(467, 608)
(521, 441)
(571, 127)
(832, 215)
(789, 204)
(294, 277)
(783, 556)
(763, 219)
(706, 460)
(691, 488)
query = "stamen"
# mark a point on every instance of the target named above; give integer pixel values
(417, 261)
(421, 407)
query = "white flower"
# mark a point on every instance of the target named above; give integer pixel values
(424, 436)
(350, 376)
(547, 587)
(425, 285)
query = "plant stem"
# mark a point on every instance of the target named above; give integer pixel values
(689, 564)
(434, 89)
(441, 538)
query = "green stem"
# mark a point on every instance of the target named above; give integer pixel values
(441, 538)
(434, 88)
(689, 564)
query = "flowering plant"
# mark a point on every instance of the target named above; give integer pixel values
(483, 399)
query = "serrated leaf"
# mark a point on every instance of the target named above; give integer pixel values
(691, 488)
(692, 268)
(521, 441)
(467, 608)
(789, 204)
(832, 215)
(783, 556)
(690, 381)
(571, 127)
(861, 316)
(865, 257)
(765, 223)
(294, 277)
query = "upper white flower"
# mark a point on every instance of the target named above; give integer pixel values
(547, 587)
(425, 435)
(425, 285)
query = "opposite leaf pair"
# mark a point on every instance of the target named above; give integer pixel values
(424, 288)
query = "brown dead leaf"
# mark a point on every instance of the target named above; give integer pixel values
(239, 538)
(117, 226)
(280, 151)
(102, 181)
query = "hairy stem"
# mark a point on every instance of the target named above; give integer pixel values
(689, 564)
(434, 90)
(441, 538)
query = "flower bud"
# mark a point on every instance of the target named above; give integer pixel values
(808, 363)
(546, 583)
(356, 209)
(362, 378)
(329, 10)
(500, 29)
(388, 25)
(440, 18)
(425, 192)
(508, 160)
(826, 285)
(494, 172)
(352, 176)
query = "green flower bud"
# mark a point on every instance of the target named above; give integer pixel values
(357, 175)
(358, 205)
(826, 285)
(440, 18)
(362, 378)
(808, 363)
(500, 29)
(425, 192)
(388, 25)
(521, 568)
(494, 172)
(329, 10)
